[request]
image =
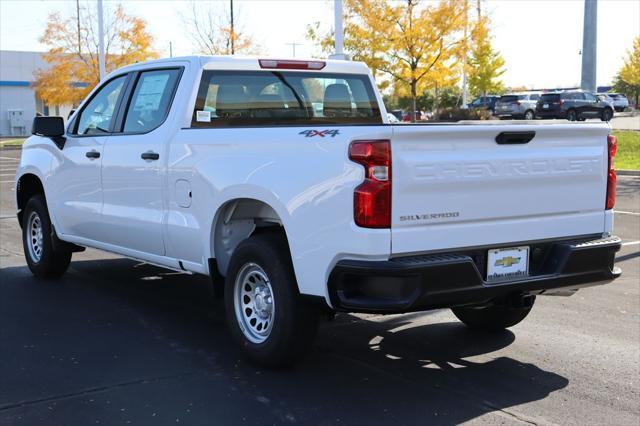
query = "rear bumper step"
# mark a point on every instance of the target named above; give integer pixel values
(434, 281)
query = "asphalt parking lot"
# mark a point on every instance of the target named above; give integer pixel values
(118, 342)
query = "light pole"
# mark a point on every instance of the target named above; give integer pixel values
(338, 29)
(465, 95)
(293, 46)
(78, 22)
(589, 45)
(101, 64)
(233, 34)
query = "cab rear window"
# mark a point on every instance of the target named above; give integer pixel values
(263, 98)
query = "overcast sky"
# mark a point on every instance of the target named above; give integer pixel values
(540, 40)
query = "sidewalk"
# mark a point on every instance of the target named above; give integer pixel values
(626, 121)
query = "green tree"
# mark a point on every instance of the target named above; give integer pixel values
(411, 42)
(628, 79)
(485, 65)
(629, 90)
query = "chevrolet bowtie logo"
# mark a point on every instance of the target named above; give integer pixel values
(507, 261)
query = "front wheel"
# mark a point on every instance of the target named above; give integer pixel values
(266, 315)
(529, 115)
(572, 115)
(45, 259)
(503, 313)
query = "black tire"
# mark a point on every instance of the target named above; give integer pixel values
(45, 259)
(607, 114)
(498, 316)
(529, 115)
(572, 115)
(293, 322)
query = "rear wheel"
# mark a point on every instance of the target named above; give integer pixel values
(529, 115)
(264, 310)
(502, 313)
(607, 114)
(572, 115)
(45, 259)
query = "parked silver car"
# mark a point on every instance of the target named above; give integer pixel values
(517, 105)
(620, 101)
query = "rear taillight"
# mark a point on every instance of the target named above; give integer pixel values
(372, 198)
(561, 102)
(612, 148)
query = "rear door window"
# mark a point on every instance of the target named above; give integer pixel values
(257, 98)
(508, 99)
(550, 97)
(151, 100)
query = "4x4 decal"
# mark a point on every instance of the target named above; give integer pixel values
(322, 133)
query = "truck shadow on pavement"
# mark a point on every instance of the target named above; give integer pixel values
(117, 341)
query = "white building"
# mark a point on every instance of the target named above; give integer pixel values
(18, 100)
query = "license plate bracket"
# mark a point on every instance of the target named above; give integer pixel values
(507, 264)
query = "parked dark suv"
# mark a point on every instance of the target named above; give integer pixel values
(484, 102)
(573, 106)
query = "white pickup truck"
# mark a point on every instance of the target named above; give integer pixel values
(284, 182)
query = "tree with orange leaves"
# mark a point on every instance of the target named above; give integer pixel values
(73, 53)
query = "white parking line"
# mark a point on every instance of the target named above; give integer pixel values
(631, 243)
(9, 158)
(624, 212)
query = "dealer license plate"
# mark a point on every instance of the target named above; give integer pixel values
(507, 264)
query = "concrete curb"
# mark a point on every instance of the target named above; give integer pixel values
(10, 148)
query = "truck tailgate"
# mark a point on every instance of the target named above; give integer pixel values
(454, 186)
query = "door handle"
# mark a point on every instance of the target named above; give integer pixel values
(515, 137)
(149, 155)
(93, 154)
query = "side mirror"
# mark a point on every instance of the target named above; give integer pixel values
(50, 127)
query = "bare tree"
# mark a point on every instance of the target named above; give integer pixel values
(210, 26)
